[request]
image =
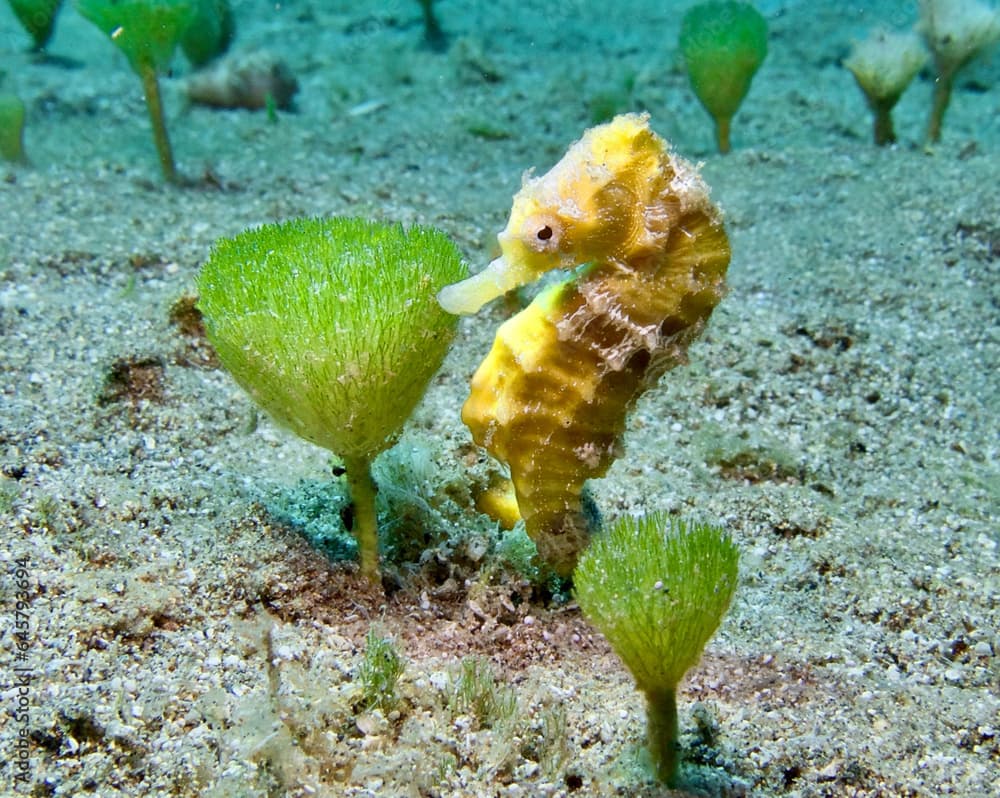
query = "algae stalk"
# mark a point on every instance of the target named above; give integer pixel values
(943, 86)
(662, 733)
(154, 103)
(723, 125)
(365, 531)
(883, 131)
(433, 33)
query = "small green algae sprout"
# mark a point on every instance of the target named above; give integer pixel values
(956, 31)
(379, 672)
(657, 588)
(210, 32)
(147, 32)
(38, 18)
(883, 66)
(332, 326)
(12, 128)
(723, 44)
(477, 693)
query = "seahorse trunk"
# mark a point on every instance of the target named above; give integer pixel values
(552, 396)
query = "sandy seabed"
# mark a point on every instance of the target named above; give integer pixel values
(840, 417)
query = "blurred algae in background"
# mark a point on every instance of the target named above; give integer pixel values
(434, 35)
(12, 115)
(147, 32)
(957, 32)
(332, 327)
(210, 32)
(38, 18)
(723, 44)
(883, 66)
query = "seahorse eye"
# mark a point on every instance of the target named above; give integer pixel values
(542, 232)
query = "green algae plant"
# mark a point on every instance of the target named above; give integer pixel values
(379, 672)
(12, 128)
(657, 588)
(883, 66)
(332, 327)
(38, 18)
(476, 692)
(210, 32)
(147, 32)
(724, 44)
(957, 32)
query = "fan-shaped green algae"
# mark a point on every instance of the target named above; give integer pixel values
(210, 33)
(332, 326)
(724, 44)
(883, 66)
(657, 589)
(38, 18)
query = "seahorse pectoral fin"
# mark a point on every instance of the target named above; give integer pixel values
(495, 280)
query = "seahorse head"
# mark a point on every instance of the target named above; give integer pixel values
(611, 197)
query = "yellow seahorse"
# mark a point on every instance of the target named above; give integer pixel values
(649, 255)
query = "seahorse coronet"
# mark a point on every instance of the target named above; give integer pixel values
(552, 397)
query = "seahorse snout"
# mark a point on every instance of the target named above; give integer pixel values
(470, 295)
